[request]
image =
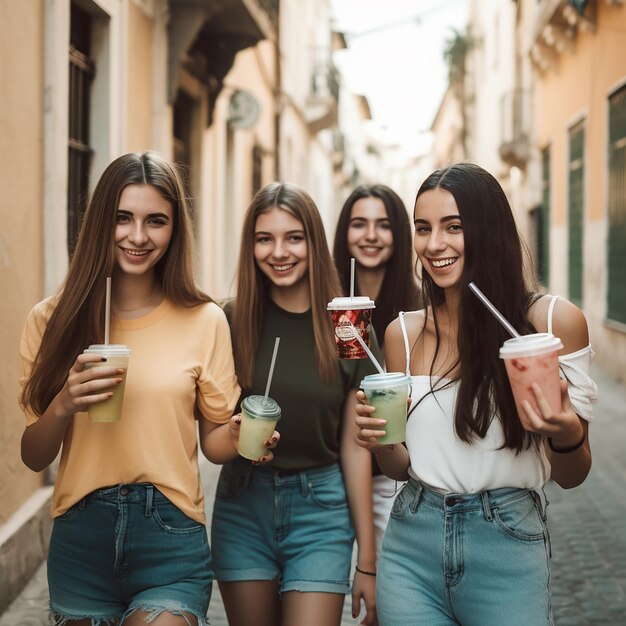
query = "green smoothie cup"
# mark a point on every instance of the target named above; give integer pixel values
(388, 393)
(116, 355)
(259, 416)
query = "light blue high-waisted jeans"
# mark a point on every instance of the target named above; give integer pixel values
(471, 559)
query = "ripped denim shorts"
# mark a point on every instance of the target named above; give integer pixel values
(124, 549)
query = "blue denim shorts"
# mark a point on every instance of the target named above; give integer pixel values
(292, 527)
(471, 559)
(127, 548)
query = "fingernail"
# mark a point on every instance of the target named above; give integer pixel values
(120, 371)
(237, 420)
(103, 359)
(263, 459)
(274, 439)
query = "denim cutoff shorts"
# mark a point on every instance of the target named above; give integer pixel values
(291, 527)
(127, 548)
(472, 559)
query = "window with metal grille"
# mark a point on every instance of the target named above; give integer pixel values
(616, 241)
(576, 175)
(81, 69)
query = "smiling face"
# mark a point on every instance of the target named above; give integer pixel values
(280, 248)
(438, 241)
(370, 240)
(144, 228)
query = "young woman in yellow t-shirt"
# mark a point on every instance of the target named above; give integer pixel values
(129, 541)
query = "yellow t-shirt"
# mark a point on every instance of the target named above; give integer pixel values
(180, 358)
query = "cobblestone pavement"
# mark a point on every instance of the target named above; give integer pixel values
(588, 529)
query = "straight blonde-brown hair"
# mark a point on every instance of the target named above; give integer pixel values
(78, 317)
(253, 285)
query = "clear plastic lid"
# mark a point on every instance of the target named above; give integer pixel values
(350, 304)
(384, 381)
(530, 345)
(110, 349)
(260, 407)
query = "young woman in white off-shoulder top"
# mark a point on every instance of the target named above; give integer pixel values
(467, 542)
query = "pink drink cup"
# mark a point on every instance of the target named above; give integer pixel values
(347, 312)
(533, 359)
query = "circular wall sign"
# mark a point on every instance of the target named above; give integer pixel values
(243, 111)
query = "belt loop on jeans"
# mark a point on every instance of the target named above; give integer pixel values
(247, 476)
(304, 485)
(542, 503)
(149, 496)
(418, 493)
(484, 496)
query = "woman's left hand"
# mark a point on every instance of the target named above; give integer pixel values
(564, 427)
(234, 428)
(364, 588)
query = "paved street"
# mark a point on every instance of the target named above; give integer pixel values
(588, 529)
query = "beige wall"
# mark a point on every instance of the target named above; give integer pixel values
(21, 238)
(227, 170)
(139, 80)
(577, 88)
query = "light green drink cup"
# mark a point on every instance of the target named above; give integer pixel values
(388, 394)
(116, 355)
(259, 415)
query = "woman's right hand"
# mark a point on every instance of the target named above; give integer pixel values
(87, 385)
(370, 429)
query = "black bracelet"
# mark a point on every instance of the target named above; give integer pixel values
(362, 571)
(566, 450)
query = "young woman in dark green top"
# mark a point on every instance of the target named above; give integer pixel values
(283, 532)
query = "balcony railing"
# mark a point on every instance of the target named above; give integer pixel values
(515, 108)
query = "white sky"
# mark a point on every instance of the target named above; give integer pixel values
(396, 59)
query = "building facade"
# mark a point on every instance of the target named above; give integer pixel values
(241, 92)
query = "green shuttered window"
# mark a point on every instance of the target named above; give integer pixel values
(576, 173)
(616, 243)
(543, 252)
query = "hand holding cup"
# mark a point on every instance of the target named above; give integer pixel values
(370, 429)
(563, 426)
(87, 384)
(235, 429)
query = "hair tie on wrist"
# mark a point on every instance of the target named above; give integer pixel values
(362, 571)
(566, 450)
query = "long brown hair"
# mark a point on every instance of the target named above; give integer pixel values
(399, 291)
(78, 317)
(494, 260)
(253, 285)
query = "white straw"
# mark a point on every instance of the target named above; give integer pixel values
(352, 278)
(495, 311)
(107, 312)
(367, 350)
(271, 373)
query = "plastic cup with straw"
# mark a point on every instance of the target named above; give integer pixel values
(528, 359)
(347, 312)
(116, 355)
(388, 393)
(259, 416)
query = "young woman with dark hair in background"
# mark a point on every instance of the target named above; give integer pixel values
(374, 229)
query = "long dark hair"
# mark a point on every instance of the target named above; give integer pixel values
(253, 285)
(78, 317)
(494, 260)
(399, 290)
